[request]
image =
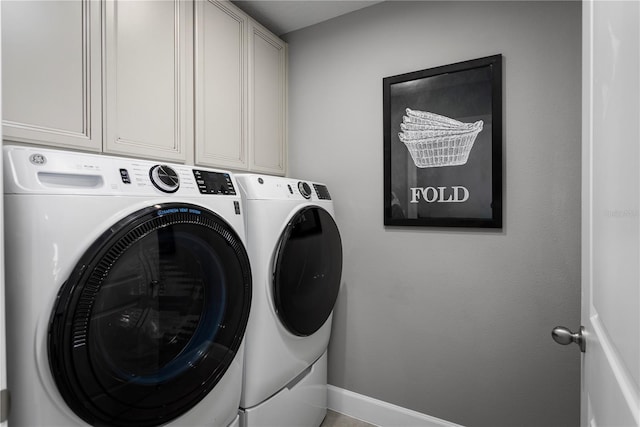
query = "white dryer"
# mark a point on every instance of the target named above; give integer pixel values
(295, 251)
(128, 291)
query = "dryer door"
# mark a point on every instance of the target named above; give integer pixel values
(151, 317)
(307, 271)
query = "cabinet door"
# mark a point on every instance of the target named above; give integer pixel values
(148, 78)
(51, 73)
(221, 82)
(267, 101)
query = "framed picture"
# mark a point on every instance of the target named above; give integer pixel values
(443, 146)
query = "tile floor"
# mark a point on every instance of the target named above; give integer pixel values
(335, 419)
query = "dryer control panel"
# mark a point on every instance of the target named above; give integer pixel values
(266, 187)
(322, 191)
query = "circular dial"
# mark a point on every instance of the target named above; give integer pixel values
(305, 190)
(164, 178)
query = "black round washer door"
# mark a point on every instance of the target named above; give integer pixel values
(151, 317)
(307, 271)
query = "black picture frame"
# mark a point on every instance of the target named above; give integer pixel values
(443, 146)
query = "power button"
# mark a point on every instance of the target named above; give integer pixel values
(124, 175)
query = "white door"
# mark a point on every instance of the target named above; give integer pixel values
(610, 214)
(4, 394)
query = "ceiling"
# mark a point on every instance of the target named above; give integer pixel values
(283, 16)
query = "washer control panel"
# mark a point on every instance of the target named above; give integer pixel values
(210, 182)
(49, 171)
(168, 179)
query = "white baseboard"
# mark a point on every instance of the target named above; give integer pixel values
(377, 412)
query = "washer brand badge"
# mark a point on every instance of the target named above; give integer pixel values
(38, 159)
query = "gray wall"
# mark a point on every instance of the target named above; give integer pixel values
(452, 323)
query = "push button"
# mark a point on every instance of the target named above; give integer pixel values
(124, 175)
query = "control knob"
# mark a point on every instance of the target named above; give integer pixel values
(164, 178)
(305, 190)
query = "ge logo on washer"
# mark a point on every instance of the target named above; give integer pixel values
(38, 159)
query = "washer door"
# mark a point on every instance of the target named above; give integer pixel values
(307, 271)
(151, 317)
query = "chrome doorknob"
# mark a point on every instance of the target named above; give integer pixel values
(564, 336)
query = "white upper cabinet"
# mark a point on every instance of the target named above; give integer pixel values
(148, 78)
(240, 91)
(221, 82)
(178, 80)
(51, 79)
(267, 101)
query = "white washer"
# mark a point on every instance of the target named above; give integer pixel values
(128, 291)
(296, 257)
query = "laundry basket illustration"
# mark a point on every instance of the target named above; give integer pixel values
(434, 140)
